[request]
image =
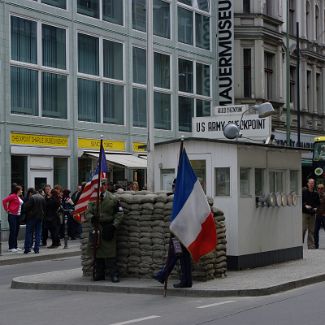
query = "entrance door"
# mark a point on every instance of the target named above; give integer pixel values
(39, 178)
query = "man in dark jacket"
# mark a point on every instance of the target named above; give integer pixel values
(34, 209)
(310, 203)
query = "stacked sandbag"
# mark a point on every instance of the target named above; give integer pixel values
(143, 238)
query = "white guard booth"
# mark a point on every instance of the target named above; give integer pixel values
(257, 186)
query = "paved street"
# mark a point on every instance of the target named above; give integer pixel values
(38, 307)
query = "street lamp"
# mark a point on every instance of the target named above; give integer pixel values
(232, 130)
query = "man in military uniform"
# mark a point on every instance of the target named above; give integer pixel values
(110, 217)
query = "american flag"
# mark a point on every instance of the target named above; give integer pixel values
(89, 193)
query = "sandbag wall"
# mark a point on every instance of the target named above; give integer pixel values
(143, 238)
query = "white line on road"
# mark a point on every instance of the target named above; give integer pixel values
(137, 320)
(216, 304)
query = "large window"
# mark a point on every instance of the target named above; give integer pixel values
(108, 10)
(162, 90)
(259, 181)
(194, 16)
(139, 15)
(269, 75)
(222, 181)
(245, 182)
(194, 97)
(100, 80)
(294, 181)
(55, 3)
(161, 18)
(247, 73)
(36, 76)
(277, 181)
(139, 66)
(89, 8)
(139, 107)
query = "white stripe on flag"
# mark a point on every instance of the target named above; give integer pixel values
(187, 224)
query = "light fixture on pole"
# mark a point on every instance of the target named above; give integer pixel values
(232, 130)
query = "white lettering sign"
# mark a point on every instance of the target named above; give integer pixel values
(225, 43)
(234, 109)
(251, 126)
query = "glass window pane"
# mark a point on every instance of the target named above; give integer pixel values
(276, 180)
(162, 70)
(88, 100)
(113, 104)
(60, 175)
(162, 111)
(185, 113)
(54, 95)
(199, 167)
(54, 47)
(294, 179)
(113, 60)
(139, 66)
(113, 11)
(202, 31)
(56, 3)
(187, 2)
(185, 26)
(24, 91)
(245, 181)
(139, 15)
(89, 8)
(23, 40)
(88, 54)
(161, 19)
(259, 181)
(203, 108)
(222, 181)
(185, 75)
(19, 170)
(203, 5)
(203, 79)
(139, 107)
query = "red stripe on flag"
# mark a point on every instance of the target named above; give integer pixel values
(88, 194)
(206, 240)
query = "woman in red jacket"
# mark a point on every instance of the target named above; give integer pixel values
(12, 204)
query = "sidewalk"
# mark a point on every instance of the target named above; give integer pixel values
(8, 258)
(253, 282)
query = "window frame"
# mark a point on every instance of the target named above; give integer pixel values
(39, 67)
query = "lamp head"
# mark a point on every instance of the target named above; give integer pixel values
(231, 131)
(265, 109)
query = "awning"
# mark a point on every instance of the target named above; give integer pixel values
(124, 159)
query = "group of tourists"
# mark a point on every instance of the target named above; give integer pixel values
(313, 213)
(43, 213)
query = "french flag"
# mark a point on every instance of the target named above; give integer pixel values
(192, 220)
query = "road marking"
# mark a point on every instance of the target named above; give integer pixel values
(216, 304)
(137, 320)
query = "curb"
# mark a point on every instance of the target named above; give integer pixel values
(18, 283)
(37, 257)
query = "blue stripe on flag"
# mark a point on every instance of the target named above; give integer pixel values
(185, 181)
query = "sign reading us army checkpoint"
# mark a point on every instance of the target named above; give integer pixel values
(211, 127)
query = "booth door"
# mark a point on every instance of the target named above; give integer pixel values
(39, 178)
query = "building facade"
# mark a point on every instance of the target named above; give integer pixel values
(75, 70)
(72, 71)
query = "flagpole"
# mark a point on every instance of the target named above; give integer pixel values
(96, 234)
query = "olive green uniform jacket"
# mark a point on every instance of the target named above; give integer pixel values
(110, 212)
